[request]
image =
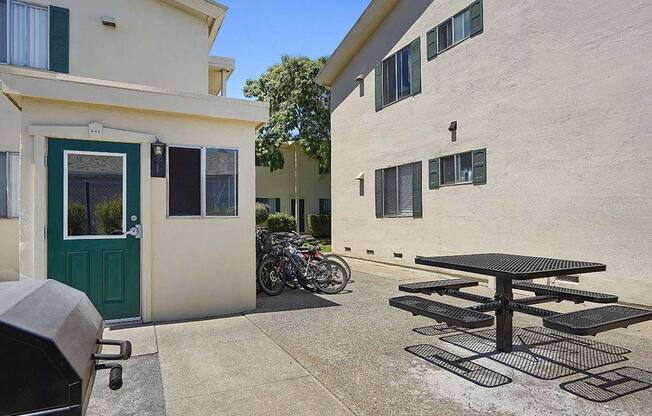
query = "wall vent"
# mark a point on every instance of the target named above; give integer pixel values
(347, 248)
(398, 255)
(370, 252)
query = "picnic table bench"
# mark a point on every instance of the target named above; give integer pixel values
(512, 272)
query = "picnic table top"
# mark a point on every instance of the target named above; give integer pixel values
(511, 266)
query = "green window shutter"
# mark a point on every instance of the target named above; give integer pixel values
(416, 66)
(475, 14)
(379, 86)
(278, 204)
(433, 174)
(480, 167)
(59, 39)
(417, 205)
(379, 193)
(431, 38)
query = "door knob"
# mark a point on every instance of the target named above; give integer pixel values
(136, 231)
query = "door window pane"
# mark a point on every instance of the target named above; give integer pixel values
(404, 78)
(462, 26)
(28, 35)
(405, 189)
(390, 195)
(95, 194)
(184, 181)
(445, 35)
(447, 170)
(389, 80)
(221, 182)
(465, 167)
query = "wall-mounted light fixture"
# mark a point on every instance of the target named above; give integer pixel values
(157, 157)
(360, 81)
(453, 129)
(109, 21)
(360, 179)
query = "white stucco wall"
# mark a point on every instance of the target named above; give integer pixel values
(196, 264)
(153, 44)
(560, 95)
(9, 142)
(280, 184)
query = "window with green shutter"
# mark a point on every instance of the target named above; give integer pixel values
(399, 75)
(463, 25)
(398, 191)
(458, 169)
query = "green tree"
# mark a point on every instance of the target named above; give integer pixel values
(299, 111)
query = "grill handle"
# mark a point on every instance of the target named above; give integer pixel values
(125, 350)
(115, 375)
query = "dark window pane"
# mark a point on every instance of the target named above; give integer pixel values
(95, 194)
(3, 31)
(465, 167)
(445, 37)
(403, 65)
(389, 80)
(184, 181)
(390, 196)
(447, 170)
(221, 182)
(3, 185)
(324, 206)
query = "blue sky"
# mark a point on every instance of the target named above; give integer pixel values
(257, 32)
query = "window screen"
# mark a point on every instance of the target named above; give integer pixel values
(221, 182)
(445, 36)
(28, 35)
(405, 189)
(184, 181)
(3, 31)
(389, 80)
(462, 26)
(390, 196)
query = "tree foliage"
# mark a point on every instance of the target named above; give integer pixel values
(299, 111)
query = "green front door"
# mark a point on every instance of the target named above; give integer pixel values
(93, 231)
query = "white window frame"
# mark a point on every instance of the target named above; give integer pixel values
(452, 20)
(66, 153)
(8, 33)
(202, 185)
(456, 166)
(10, 179)
(382, 66)
(398, 194)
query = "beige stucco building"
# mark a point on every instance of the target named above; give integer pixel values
(553, 111)
(299, 177)
(85, 93)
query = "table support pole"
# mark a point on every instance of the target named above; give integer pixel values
(504, 315)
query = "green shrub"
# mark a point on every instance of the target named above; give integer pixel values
(108, 216)
(76, 218)
(320, 225)
(281, 222)
(262, 213)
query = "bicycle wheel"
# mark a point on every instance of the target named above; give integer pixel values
(340, 260)
(331, 276)
(270, 278)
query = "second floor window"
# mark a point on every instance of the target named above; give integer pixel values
(24, 34)
(396, 76)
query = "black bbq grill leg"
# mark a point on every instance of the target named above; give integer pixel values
(504, 315)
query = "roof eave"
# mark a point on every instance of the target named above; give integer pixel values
(363, 28)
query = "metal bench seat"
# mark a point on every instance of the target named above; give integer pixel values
(565, 293)
(594, 321)
(441, 312)
(437, 285)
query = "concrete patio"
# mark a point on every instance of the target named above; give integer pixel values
(305, 354)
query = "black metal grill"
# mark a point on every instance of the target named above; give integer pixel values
(609, 385)
(50, 340)
(433, 286)
(511, 266)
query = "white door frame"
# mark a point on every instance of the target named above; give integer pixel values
(36, 229)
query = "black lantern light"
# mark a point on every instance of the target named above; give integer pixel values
(158, 159)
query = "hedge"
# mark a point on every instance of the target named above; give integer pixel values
(320, 225)
(281, 222)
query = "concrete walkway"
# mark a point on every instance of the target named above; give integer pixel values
(305, 354)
